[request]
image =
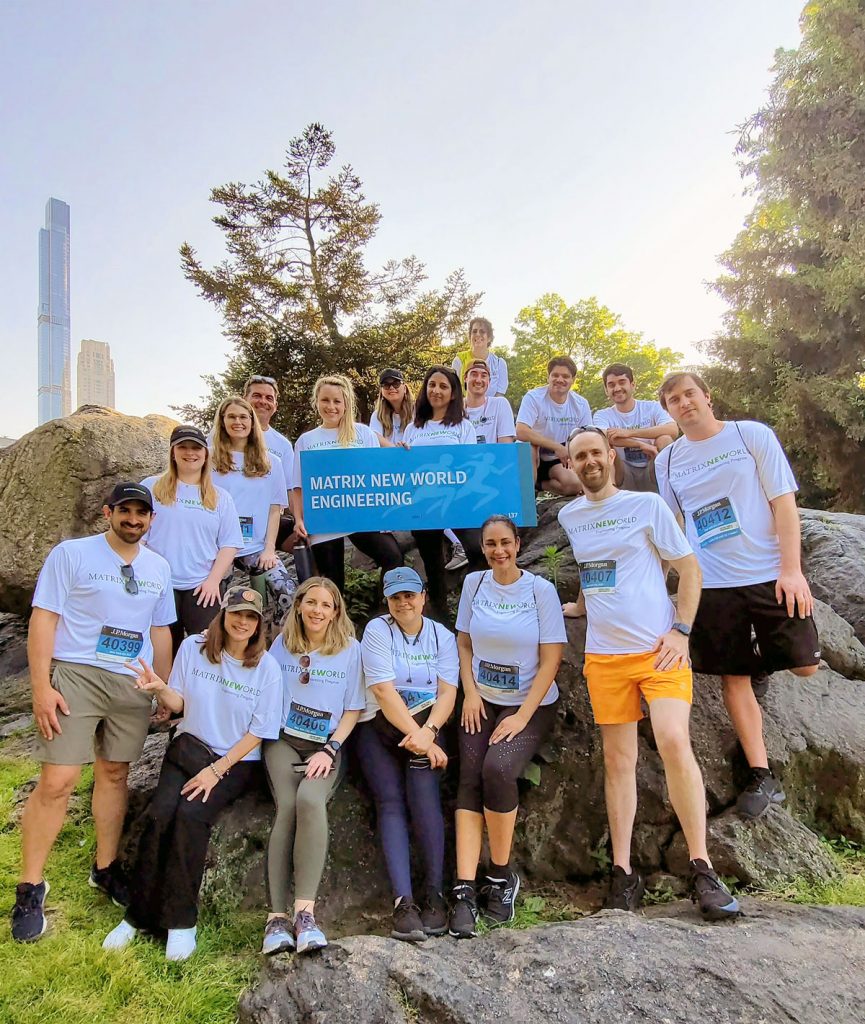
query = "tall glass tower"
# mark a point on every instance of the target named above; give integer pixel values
(55, 391)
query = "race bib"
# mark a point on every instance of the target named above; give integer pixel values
(482, 438)
(499, 678)
(118, 645)
(716, 521)
(417, 700)
(598, 577)
(307, 723)
(635, 457)
(246, 528)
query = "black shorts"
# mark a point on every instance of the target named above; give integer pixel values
(544, 467)
(721, 638)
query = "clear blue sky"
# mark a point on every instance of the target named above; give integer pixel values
(565, 146)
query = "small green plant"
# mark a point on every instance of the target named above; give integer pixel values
(601, 854)
(409, 1007)
(361, 592)
(552, 560)
(532, 773)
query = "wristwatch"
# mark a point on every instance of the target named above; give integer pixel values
(434, 729)
(334, 745)
(681, 627)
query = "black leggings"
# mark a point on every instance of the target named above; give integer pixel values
(488, 775)
(430, 545)
(192, 617)
(329, 556)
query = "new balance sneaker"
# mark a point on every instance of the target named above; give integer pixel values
(28, 914)
(278, 936)
(434, 913)
(761, 792)
(463, 920)
(501, 898)
(307, 934)
(626, 890)
(458, 558)
(180, 944)
(715, 900)
(112, 882)
(407, 923)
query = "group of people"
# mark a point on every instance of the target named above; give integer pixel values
(141, 613)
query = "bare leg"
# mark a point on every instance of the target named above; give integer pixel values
(747, 718)
(110, 797)
(470, 834)
(620, 787)
(43, 817)
(563, 481)
(500, 829)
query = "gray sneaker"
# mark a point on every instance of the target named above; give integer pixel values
(761, 792)
(307, 934)
(277, 936)
(458, 558)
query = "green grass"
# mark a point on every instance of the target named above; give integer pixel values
(848, 889)
(67, 978)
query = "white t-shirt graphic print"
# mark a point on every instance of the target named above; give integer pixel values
(432, 433)
(492, 420)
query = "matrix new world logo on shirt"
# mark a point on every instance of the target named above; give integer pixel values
(733, 455)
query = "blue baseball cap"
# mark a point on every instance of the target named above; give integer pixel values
(402, 580)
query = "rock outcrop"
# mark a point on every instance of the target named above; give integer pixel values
(833, 548)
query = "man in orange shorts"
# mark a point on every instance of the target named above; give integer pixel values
(637, 647)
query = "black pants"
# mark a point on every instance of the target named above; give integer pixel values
(329, 556)
(191, 617)
(430, 545)
(169, 864)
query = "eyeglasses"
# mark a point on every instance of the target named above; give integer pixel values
(391, 385)
(257, 378)
(585, 430)
(304, 664)
(130, 584)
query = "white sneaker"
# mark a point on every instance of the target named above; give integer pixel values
(181, 943)
(120, 937)
(458, 559)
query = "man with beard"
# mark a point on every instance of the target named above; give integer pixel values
(637, 647)
(100, 602)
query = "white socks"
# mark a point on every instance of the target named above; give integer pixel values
(181, 943)
(119, 937)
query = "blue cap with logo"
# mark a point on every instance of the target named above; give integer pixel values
(402, 580)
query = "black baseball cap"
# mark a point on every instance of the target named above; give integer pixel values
(130, 491)
(391, 375)
(187, 433)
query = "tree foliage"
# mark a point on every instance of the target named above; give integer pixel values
(297, 297)
(792, 349)
(593, 336)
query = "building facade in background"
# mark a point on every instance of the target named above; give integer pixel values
(55, 386)
(95, 376)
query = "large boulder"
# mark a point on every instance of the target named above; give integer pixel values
(54, 481)
(833, 553)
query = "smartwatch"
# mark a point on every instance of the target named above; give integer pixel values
(681, 627)
(334, 745)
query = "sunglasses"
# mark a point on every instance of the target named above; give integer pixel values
(258, 379)
(391, 385)
(304, 664)
(130, 584)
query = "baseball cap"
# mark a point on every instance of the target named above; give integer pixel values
(130, 491)
(391, 374)
(478, 364)
(402, 580)
(238, 599)
(187, 433)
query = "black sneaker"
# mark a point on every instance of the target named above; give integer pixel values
(463, 920)
(626, 890)
(112, 882)
(716, 901)
(28, 914)
(501, 898)
(434, 914)
(761, 792)
(407, 924)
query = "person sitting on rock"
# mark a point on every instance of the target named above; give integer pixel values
(411, 668)
(481, 341)
(637, 646)
(510, 639)
(99, 601)
(323, 696)
(229, 692)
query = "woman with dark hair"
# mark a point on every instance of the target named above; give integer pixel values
(510, 637)
(229, 691)
(440, 420)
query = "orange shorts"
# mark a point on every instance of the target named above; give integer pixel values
(616, 682)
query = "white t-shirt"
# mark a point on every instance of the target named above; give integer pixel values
(646, 413)
(100, 624)
(507, 623)
(222, 703)
(253, 496)
(539, 412)
(618, 544)
(396, 434)
(326, 437)
(433, 433)
(189, 536)
(722, 486)
(498, 372)
(312, 710)
(492, 420)
(413, 665)
(280, 446)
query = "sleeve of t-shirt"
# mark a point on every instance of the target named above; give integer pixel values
(165, 612)
(503, 378)
(505, 426)
(467, 433)
(776, 476)
(457, 367)
(660, 416)
(528, 411)
(409, 432)
(296, 480)
(180, 668)
(550, 616)
(355, 691)
(55, 580)
(585, 412)
(464, 612)
(377, 654)
(601, 419)
(448, 656)
(375, 424)
(368, 438)
(228, 535)
(267, 713)
(665, 534)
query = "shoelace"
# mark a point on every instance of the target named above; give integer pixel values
(463, 892)
(704, 880)
(28, 900)
(305, 921)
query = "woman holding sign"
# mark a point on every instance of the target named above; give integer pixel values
(412, 671)
(323, 697)
(334, 402)
(511, 634)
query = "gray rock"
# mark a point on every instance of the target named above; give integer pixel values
(833, 553)
(794, 964)
(840, 648)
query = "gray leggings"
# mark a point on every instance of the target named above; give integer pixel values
(299, 832)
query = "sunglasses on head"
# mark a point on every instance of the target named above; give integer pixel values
(585, 430)
(304, 664)
(130, 584)
(259, 379)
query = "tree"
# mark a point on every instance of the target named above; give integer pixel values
(792, 349)
(297, 297)
(593, 336)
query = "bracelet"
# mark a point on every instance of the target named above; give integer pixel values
(331, 753)
(215, 770)
(434, 729)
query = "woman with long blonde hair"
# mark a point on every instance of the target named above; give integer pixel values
(334, 402)
(323, 696)
(394, 408)
(196, 530)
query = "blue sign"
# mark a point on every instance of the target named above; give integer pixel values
(348, 490)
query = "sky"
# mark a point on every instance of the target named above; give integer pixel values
(559, 145)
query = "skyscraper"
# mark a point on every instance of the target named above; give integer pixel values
(95, 376)
(55, 392)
